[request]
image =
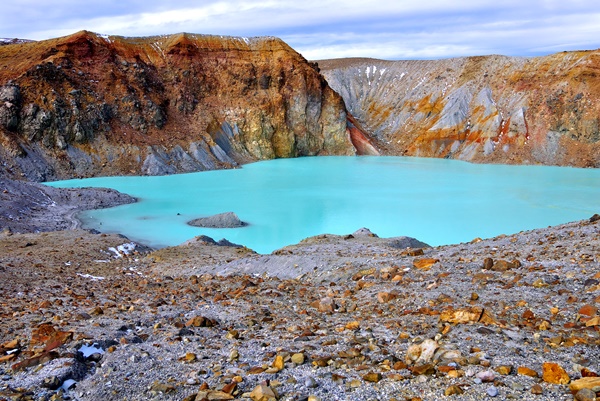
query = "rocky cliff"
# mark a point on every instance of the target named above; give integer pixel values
(541, 110)
(88, 104)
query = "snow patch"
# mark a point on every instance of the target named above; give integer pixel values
(67, 385)
(14, 41)
(88, 350)
(124, 249)
(104, 36)
(93, 278)
(156, 45)
(133, 271)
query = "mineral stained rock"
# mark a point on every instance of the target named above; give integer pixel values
(88, 104)
(490, 109)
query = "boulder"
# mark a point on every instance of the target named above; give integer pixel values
(363, 232)
(406, 242)
(221, 220)
(206, 240)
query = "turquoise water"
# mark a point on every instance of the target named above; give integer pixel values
(434, 200)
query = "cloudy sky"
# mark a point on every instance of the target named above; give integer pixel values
(395, 29)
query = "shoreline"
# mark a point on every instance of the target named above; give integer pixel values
(32, 207)
(46, 208)
(484, 221)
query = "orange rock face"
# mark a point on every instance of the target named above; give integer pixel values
(462, 315)
(586, 382)
(424, 263)
(87, 105)
(45, 334)
(540, 110)
(523, 370)
(554, 373)
(588, 310)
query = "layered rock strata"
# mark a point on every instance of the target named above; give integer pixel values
(496, 109)
(87, 104)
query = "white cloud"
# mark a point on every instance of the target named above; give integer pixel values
(331, 28)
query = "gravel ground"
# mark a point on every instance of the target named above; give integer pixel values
(351, 317)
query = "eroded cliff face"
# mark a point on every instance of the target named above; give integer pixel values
(86, 105)
(542, 110)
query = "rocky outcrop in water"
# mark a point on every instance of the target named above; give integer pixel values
(87, 104)
(221, 220)
(486, 109)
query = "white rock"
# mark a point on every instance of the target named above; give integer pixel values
(428, 348)
(486, 376)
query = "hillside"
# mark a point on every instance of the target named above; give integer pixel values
(497, 109)
(87, 104)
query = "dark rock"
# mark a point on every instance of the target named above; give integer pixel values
(222, 220)
(48, 107)
(10, 99)
(185, 332)
(34, 210)
(485, 330)
(205, 239)
(225, 242)
(595, 218)
(95, 357)
(406, 242)
(51, 382)
(585, 394)
(364, 232)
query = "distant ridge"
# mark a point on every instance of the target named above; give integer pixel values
(538, 110)
(13, 41)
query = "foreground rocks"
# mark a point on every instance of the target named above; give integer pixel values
(358, 319)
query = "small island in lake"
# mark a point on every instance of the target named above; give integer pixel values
(221, 220)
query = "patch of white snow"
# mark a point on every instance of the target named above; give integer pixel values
(123, 250)
(88, 350)
(67, 385)
(93, 278)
